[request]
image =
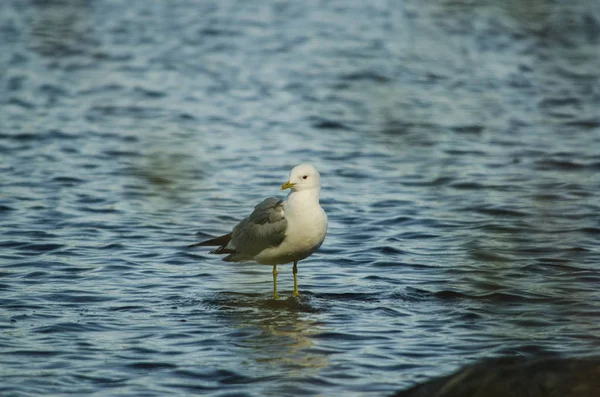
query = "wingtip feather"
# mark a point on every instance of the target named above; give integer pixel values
(218, 241)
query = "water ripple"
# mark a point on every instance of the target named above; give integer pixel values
(459, 167)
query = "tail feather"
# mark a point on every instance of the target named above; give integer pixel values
(220, 241)
(222, 250)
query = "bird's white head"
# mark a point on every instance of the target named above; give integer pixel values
(303, 177)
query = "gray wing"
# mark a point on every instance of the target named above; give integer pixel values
(264, 228)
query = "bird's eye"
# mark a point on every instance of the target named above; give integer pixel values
(305, 177)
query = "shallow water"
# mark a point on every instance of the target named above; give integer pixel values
(458, 147)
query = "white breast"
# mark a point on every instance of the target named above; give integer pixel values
(306, 229)
(306, 232)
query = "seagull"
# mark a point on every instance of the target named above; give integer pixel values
(279, 231)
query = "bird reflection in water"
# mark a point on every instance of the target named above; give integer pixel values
(277, 333)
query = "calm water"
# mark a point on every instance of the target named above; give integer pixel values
(459, 149)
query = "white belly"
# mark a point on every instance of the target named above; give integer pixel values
(304, 235)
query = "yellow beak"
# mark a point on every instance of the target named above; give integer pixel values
(287, 185)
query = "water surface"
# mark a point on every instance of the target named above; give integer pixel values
(458, 147)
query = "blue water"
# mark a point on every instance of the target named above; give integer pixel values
(458, 145)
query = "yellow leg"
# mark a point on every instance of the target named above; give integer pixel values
(295, 271)
(275, 296)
